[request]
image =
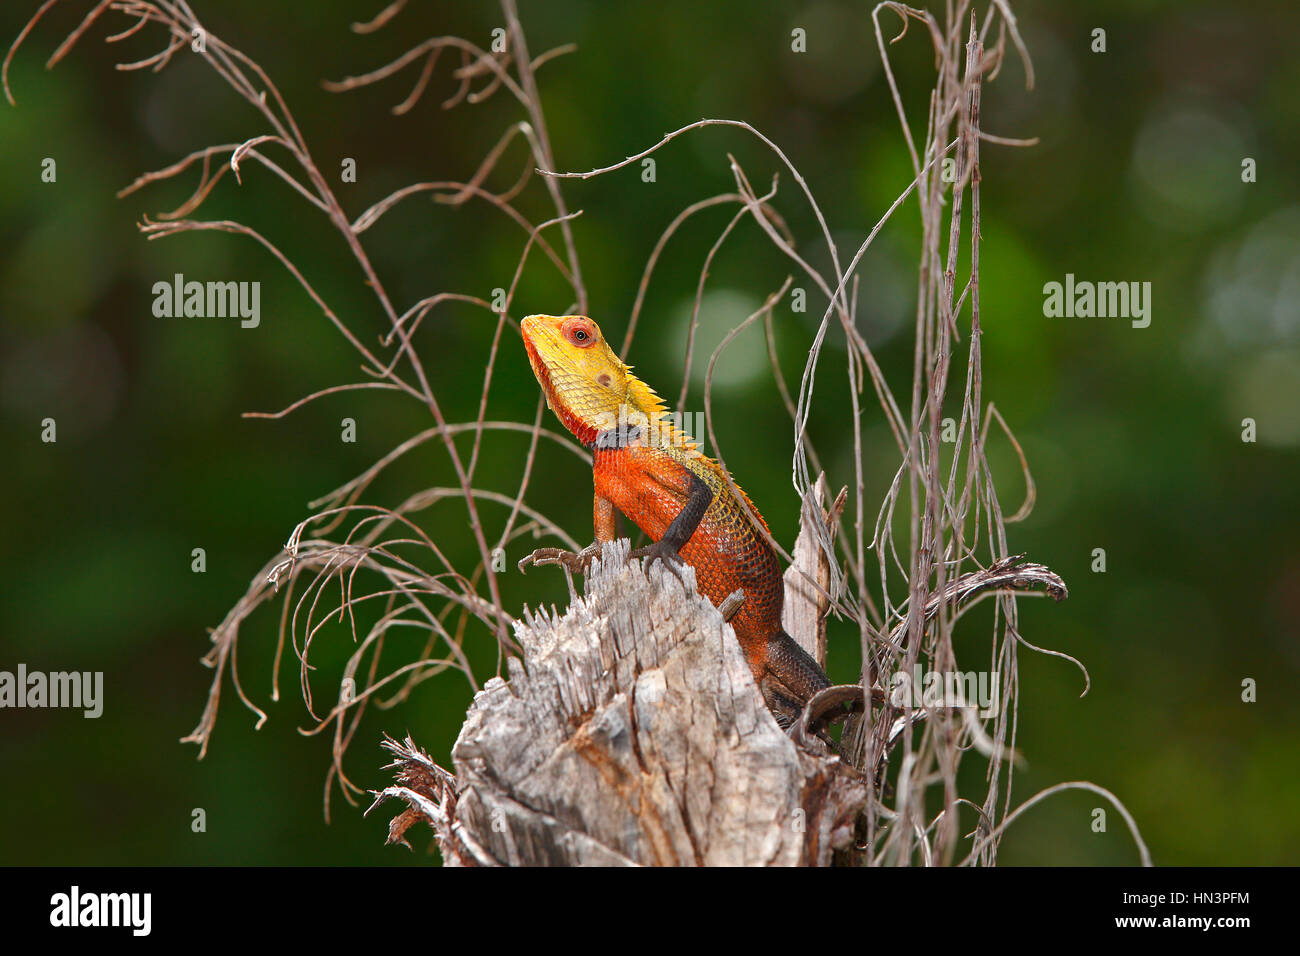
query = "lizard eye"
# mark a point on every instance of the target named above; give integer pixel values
(581, 334)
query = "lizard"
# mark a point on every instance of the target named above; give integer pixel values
(650, 470)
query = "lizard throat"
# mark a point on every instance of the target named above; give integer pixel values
(575, 403)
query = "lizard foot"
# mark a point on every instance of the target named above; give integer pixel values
(832, 704)
(577, 562)
(790, 716)
(663, 553)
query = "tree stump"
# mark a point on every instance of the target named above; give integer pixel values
(632, 733)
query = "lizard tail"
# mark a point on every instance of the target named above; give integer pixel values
(794, 667)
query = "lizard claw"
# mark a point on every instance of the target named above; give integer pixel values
(577, 562)
(831, 704)
(792, 718)
(663, 553)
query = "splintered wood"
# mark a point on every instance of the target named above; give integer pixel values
(808, 578)
(631, 733)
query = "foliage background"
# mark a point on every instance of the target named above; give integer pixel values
(1133, 435)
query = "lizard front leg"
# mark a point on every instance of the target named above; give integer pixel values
(698, 498)
(602, 518)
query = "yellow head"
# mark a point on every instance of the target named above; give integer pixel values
(585, 383)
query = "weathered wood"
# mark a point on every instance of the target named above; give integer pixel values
(631, 733)
(808, 578)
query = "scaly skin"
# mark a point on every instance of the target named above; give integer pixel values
(653, 473)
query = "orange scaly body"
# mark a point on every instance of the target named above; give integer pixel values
(651, 486)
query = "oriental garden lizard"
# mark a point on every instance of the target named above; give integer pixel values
(650, 470)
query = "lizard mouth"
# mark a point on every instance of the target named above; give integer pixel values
(533, 328)
(541, 337)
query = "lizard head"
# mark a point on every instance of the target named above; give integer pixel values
(584, 381)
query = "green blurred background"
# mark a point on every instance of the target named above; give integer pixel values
(1134, 435)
